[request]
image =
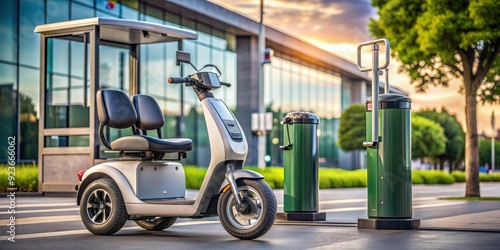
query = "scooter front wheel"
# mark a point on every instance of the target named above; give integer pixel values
(157, 223)
(255, 216)
(102, 208)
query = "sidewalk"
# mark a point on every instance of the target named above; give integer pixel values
(484, 221)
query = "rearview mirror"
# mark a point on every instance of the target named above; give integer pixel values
(182, 57)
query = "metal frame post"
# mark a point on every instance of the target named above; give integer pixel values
(41, 125)
(375, 91)
(375, 82)
(94, 141)
(134, 71)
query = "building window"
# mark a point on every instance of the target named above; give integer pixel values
(9, 37)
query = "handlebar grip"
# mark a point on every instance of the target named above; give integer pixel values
(225, 84)
(176, 80)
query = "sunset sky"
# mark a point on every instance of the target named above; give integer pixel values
(338, 26)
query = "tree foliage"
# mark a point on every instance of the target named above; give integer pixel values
(438, 40)
(428, 139)
(353, 128)
(485, 152)
(455, 137)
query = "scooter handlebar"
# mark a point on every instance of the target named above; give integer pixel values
(173, 80)
(225, 84)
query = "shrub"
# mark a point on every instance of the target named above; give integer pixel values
(435, 177)
(416, 177)
(273, 176)
(445, 178)
(495, 176)
(339, 178)
(194, 176)
(459, 176)
(485, 177)
(26, 178)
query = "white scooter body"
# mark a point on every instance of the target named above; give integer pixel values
(157, 188)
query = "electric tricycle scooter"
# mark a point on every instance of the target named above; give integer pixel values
(139, 185)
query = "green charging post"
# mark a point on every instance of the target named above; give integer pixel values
(388, 143)
(300, 154)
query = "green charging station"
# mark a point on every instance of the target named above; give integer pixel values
(300, 155)
(388, 143)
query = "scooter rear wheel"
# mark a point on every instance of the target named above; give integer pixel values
(157, 223)
(102, 208)
(257, 214)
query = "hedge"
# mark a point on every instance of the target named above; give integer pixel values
(27, 177)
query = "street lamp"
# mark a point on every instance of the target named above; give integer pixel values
(260, 78)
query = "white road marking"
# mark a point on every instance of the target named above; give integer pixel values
(45, 219)
(85, 231)
(326, 202)
(43, 210)
(440, 204)
(40, 205)
(344, 209)
(75, 208)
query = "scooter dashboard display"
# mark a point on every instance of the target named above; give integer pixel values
(207, 80)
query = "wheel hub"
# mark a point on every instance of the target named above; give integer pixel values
(247, 214)
(243, 208)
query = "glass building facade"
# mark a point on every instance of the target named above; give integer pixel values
(68, 81)
(289, 83)
(291, 86)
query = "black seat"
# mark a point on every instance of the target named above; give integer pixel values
(150, 117)
(149, 143)
(115, 110)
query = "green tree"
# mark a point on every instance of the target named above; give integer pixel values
(428, 139)
(485, 152)
(455, 138)
(352, 131)
(437, 40)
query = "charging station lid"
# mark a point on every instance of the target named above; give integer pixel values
(390, 101)
(302, 117)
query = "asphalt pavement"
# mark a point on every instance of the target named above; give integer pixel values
(54, 223)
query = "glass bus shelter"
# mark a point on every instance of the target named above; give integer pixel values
(102, 53)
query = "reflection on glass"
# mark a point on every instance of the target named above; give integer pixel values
(67, 105)
(114, 68)
(67, 95)
(154, 14)
(110, 7)
(80, 12)
(129, 12)
(67, 141)
(29, 115)
(8, 93)
(8, 19)
(231, 77)
(87, 2)
(31, 14)
(57, 55)
(57, 11)
(296, 87)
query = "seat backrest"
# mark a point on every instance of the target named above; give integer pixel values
(149, 115)
(114, 109)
